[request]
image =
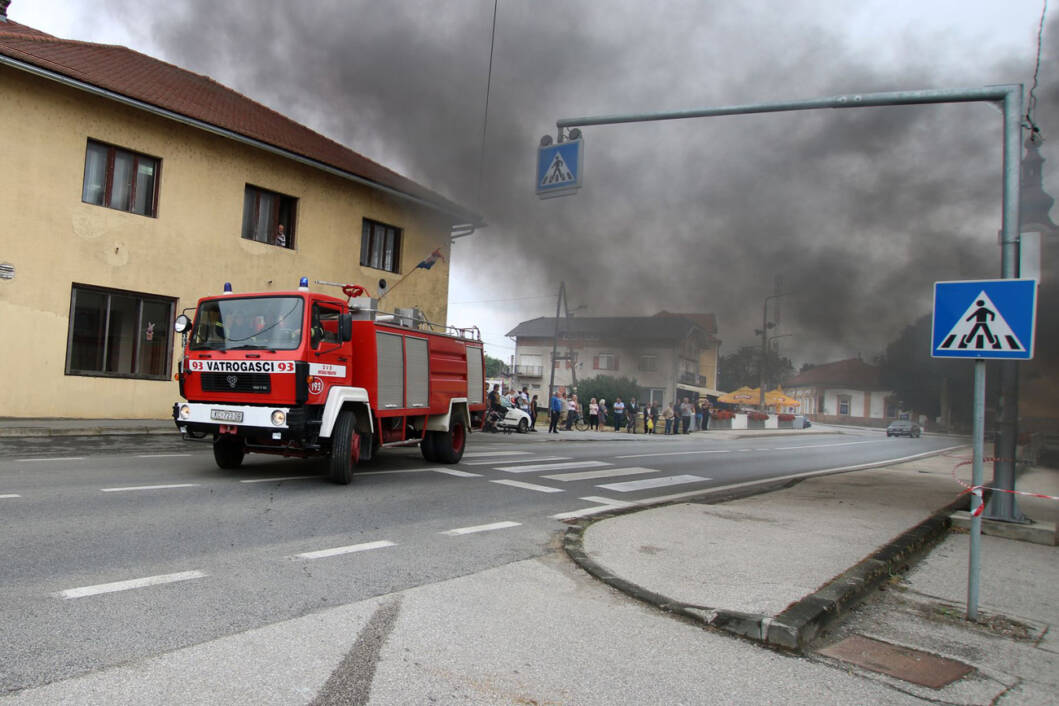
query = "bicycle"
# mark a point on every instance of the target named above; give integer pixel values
(579, 423)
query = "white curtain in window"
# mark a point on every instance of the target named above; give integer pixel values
(121, 187)
(95, 174)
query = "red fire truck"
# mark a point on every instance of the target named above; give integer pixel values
(304, 374)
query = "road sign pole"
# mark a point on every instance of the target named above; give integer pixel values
(976, 484)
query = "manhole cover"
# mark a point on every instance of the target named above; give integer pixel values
(911, 665)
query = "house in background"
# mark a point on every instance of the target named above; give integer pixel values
(847, 391)
(669, 355)
(132, 187)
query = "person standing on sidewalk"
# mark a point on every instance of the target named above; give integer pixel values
(633, 409)
(619, 413)
(668, 416)
(685, 414)
(555, 408)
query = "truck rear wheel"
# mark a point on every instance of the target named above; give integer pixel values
(345, 449)
(449, 445)
(228, 452)
(428, 446)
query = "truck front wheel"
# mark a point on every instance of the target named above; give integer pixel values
(228, 452)
(449, 445)
(345, 449)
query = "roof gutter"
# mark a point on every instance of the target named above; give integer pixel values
(231, 135)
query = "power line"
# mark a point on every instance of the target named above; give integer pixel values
(485, 114)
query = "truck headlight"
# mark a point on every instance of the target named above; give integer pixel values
(185, 411)
(279, 417)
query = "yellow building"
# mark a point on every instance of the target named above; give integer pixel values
(131, 187)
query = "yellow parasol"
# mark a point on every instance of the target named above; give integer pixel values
(744, 395)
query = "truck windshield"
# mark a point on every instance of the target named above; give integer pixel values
(254, 323)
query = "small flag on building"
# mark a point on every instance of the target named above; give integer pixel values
(429, 262)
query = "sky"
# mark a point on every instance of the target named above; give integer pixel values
(852, 214)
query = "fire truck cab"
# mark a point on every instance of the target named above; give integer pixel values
(304, 374)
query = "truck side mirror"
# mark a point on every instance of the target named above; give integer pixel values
(345, 327)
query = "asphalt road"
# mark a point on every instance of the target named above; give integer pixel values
(116, 548)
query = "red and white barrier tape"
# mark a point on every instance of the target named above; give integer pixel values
(978, 489)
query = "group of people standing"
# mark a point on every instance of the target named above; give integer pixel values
(685, 414)
(519, 399)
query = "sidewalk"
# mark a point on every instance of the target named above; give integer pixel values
(781, 566)
(27, 427)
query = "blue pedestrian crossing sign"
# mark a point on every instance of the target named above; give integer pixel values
(984, 319)
(559, 168)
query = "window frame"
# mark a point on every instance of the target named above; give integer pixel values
(141, 297)
(107, 187)
(284, 211)
(377, 256)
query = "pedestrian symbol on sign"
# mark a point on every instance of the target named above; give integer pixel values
(981, 328)
(557, 172)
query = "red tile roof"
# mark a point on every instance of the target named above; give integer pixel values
(844, 373)
(142, 78)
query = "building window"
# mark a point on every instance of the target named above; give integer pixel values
(648, 363)
(843, 405)
(605, 361)
(121, 334)
(268, 217)
(380, 246)
(653, 394)
(120, 179)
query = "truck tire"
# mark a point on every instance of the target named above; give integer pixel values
(428, 446)
(449, 445)
(228, 452)
(345, 449)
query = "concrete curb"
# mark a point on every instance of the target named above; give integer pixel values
(802, 621)
(41, 432)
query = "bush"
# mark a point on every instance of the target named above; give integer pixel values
(722, 414)
(757, 416)
(786, 417)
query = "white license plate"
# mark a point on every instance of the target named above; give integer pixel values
(226, 415)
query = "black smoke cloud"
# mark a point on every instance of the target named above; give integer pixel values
(859, 211)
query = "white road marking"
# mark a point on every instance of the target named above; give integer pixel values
(161, 455)
(644, 484)
(607, 473)
(127, 585)
(528, 486)
(677, 453)
(393, 472)
(821, 446)
(11, 495)
(481, 528)
(276, 480)
(42, 460)
(518, 460)
(456, 472)
(606, 506)
(473, 454)
(336, 551)
(552, 466)
(149, 487)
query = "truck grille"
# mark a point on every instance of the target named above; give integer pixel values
(237, 382)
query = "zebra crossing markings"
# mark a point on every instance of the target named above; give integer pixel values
(607, 473)
(647, 483)
(475, 454)
(552, 466)
(528, 486)
(480, 528)
(517, 460)
(604, 505)
(677, 453)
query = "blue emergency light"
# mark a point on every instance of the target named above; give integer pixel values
(227, 287)
(303, 284)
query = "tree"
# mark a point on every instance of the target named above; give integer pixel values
(494, 367)
(743, 369)
(607, 387)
